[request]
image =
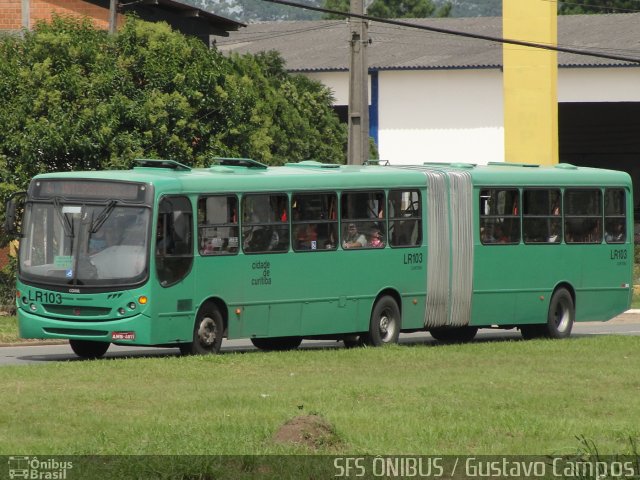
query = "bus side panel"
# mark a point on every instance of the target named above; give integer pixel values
(603, 290)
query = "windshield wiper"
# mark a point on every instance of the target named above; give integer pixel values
(66, 224)
(102, 217)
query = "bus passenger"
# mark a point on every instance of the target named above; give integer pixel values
(376, 240)
(353, 239)
(307, 237)
(617, 235)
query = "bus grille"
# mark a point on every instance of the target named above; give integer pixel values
(76, 311)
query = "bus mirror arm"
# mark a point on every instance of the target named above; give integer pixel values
(11, 221)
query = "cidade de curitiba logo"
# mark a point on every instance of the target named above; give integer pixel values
(36, 468)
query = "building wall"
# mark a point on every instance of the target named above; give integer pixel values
(457, 115)
(599, 84)
(11, 12)
(441, 116)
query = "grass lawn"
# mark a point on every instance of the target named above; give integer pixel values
(517, 397)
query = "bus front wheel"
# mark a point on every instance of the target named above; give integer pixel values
(207, 333)
(89, 348)
(384, 327)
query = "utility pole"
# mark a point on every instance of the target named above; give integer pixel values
(26, 14)
(113, 15)
(358, 147)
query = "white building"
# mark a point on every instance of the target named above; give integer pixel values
(437, 97)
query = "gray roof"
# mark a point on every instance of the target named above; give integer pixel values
(323, 45)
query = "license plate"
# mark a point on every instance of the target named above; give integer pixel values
(123, 335)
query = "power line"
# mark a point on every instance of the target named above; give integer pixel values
(459, 33)
(267, 35)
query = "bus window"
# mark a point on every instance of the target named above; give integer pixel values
(265, 227)
(315, 225)
(615, 215)
(174, 249)
(541, 216)
(405, 218)
(363, 221)
(583, 216)
(499, 216)
(218, 225)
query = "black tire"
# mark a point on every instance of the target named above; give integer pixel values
(207, 333)
(385, 323)
(560, 318)
(454, 334)
(89, 348)
(562, 314)
(277, 343)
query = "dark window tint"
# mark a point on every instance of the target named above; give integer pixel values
(218, 225)
(174, 239)
(541, 216)
(583, 216)
(314, 221)
(405, 218)
(499, 216)
(363, 220)
(265, 223)
(615, 215)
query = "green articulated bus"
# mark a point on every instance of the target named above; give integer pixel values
(168, 255)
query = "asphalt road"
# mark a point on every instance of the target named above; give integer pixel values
(626, 324)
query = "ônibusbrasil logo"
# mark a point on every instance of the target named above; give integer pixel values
(38, 469)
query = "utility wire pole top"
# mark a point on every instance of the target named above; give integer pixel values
(358, 145)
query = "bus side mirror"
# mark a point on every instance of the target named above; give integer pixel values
(13, 213)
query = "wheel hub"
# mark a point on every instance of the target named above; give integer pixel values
(207, 331)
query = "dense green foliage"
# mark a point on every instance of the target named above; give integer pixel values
(393, 8)
(76, 98)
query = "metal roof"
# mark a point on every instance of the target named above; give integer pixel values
(322, 45)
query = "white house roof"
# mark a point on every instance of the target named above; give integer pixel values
(323, 45)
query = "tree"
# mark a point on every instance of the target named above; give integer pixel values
(393, 8)
(76, 98)
(598, 6)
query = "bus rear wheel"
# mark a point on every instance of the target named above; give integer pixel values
(561, 315)
(277, 343)
(384, 326)
(454, 334)
(560, 318)
(89, 348)
(207, 333)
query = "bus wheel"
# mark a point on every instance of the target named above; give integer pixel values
(207, 333)
(561, 315)
(454, 334)
(384, 327)
(89, 348)
(277, 343)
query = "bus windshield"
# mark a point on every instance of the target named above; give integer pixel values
(71, 243)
